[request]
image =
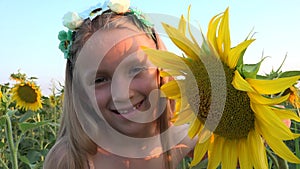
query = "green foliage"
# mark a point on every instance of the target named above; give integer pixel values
(27, 136)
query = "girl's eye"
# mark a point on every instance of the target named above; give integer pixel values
(99, 80)
(136, 70)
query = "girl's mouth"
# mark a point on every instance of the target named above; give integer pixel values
(123, 111)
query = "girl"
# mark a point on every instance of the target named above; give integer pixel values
(114, 114)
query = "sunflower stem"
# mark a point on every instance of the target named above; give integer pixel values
(3, 164)
(273, 158)
(297, 142)
(12, 148)
(282, 163)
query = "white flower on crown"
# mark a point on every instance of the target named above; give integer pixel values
(72, 20)
(119, 6)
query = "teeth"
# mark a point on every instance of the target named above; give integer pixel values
(129, 110)
(123, 111)
(126, 111)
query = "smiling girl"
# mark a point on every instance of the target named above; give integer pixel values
(114, 113)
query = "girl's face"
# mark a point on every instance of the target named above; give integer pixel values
(126, 83)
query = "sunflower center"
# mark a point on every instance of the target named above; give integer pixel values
(27, 94)
(237, 118)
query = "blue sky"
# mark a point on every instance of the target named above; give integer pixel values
(28, 31)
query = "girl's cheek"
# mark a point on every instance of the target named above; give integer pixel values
(102, 96)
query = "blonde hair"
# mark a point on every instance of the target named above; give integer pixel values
(73, 145)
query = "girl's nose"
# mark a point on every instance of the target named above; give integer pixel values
(120, 88)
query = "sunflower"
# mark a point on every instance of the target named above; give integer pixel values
(231, 110)
(295, 96)
(52, 101)
(0, 94)
(27, 96)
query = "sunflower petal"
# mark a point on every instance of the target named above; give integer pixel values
(215, 153)
(212, 29)
(259, 99)
(199, 152)
(165, 59)
(229, 154)
(269, 122)
(204, 135)
(171, 89)
(182, 25)
(286, 114)
(194, 128)
(185, 116)
(180, 104)
(182, 42)
(279, 147)
(244, 154)
(170, 73)
(257, 150)
(272, 86)
(240, 83)
(189, 28)
(223, 39)
(235, 53)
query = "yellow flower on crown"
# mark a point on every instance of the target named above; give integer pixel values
(216, 70)
(27, 96)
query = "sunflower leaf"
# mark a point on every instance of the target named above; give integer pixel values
(251, 70)
(2, 120)
(289, 74)
(25, 126)
(11, 112)
(26, 116)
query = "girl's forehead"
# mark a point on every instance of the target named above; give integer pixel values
(120, 41)
(107, 47)
(106, 40)
(127, 51)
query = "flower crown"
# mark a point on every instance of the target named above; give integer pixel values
(73, 20)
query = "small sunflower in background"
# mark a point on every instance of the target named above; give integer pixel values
(249, 115)
(27, 96)
(0, 93)
(52, 101)
(295, 97)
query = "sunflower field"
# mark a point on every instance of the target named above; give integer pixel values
(29, 122)
(259, 126)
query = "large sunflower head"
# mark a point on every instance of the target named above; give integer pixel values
(232, 109)
(27, 96)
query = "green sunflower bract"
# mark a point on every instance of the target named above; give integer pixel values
(249, 116)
